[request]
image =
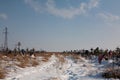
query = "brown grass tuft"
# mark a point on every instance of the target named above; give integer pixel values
(111, 73)
(60, 57)
(35, 63)
(2, 73)
(26, 61)
(45, 56)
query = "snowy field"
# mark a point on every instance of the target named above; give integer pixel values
(53, 69)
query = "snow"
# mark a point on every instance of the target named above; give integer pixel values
(71, 69)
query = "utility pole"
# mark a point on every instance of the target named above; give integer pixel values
(6, 39)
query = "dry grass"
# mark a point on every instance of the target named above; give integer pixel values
(22, 61)
(1, 56)
(10, 56)
(45, 56)
(2, 73)
(111, 73)
(60, 57)
(76, 56)
(26, 61)
(35, 63)
(2, 70)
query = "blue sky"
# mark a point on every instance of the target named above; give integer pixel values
(57, 25)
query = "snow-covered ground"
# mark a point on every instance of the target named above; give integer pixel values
(71, 69)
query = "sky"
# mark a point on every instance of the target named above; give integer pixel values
(58, 25)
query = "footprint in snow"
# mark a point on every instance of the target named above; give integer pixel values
(15, 79)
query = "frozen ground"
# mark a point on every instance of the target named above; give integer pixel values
(71, 69)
